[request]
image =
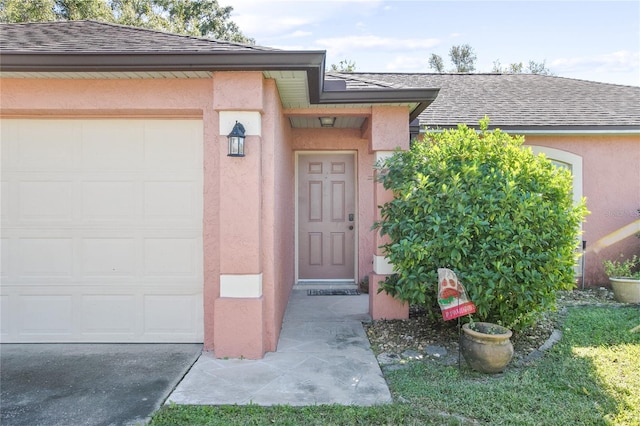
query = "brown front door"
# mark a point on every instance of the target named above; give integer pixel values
(326, 217)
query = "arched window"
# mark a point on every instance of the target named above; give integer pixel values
(566, 160)
(573, 163)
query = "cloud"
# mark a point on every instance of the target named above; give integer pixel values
(300, 33)
(405, 63)
(622, 61)
(278, 18)
(258, 26)
(341, 45)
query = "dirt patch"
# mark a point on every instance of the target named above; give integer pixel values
(426, 336)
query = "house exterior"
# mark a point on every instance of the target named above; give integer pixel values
(124, 219)
(591, 128)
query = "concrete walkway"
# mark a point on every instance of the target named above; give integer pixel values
(323, 357)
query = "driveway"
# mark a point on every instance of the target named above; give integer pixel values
(88, 384)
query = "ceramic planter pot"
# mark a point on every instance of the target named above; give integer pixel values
(487, 347)
(626, 290)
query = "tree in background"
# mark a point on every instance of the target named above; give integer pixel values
(344, 65)
(74, 10)
(462, 57)
(27, 11)
(518, 68)
(202, 18)
(436, 63)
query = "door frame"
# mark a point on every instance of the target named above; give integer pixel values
(354, 153)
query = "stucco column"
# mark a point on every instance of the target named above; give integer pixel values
(239, 311)
(389, 131)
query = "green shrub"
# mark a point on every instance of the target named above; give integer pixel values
(623, 269)
(484, 206)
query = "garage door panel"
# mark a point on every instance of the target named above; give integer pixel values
(5, 316)
(169, 148)
(108, 201)
(46, 314)
(171, 201)
(46, 201)
(8, 137)
(97, 247)
(45, 257)
(109, 257)
(170, 257)
(109, 314)
(68, 314)
(49, 145)
(108, 147)
(5, 198)
(170, 314)
(4, 258)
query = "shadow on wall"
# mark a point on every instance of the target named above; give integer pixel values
(603, 249)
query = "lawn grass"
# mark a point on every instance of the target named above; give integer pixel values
(592, 377)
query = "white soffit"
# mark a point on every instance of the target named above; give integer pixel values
(293, 87)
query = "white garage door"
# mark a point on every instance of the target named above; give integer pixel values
(101, 230)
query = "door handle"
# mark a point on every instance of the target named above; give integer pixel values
(350, 217)
(350, 227)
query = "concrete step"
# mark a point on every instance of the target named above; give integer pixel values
(325, 285)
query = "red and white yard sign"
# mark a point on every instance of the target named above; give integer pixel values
(452, 297)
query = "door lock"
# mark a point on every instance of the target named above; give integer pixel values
(350, 217)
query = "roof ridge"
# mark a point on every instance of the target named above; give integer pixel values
(491, 74)
(149, 31)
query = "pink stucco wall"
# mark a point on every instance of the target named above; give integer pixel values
(262, 244)
(611, 185)
(389, 128)
(278, 229)
(259, 188)
(241, 189)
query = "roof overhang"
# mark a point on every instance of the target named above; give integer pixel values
(311, 62)
(548, 130)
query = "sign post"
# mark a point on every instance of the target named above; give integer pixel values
(453, 300)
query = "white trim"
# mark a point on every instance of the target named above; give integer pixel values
(566, 157)
(296, 222)
(251, 120)
(382, 266)
(383, 155)
(241, 286)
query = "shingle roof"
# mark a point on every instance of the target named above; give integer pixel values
(512, 101)
(516, 100)
(101, 37)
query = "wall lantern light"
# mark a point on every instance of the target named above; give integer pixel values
(236, 141)
(327, 121)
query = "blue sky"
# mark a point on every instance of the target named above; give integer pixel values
(591, 40)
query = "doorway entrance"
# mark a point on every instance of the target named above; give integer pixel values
(326, 217)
